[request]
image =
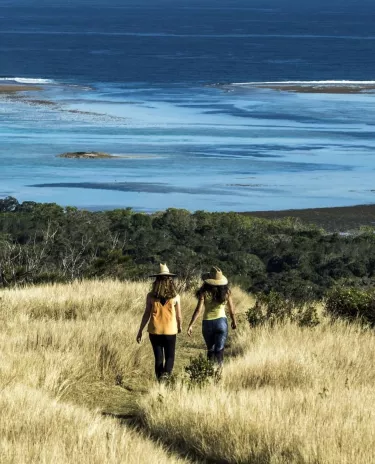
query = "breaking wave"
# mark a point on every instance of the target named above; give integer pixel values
(27, 80)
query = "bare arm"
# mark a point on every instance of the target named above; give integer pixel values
(145, 318)
(196, 313)
(178, 314)
(232, 312)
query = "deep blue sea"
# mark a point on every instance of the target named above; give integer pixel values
(156, 82)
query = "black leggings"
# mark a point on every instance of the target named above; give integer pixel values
(164, 347)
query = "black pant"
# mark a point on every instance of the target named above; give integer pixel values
(164, 347)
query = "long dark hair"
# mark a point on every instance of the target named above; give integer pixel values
(164, 288)
(218, 293)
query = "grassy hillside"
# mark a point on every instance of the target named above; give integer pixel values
(69, 359)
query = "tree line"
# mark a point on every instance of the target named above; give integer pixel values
(45, 242)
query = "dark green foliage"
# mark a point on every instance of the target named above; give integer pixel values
(274, 307)
(46, 242)
(352, 304)
(201, 371)
(8, 205)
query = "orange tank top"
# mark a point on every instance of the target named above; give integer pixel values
(163, 317)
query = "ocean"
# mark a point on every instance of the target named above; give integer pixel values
(188, 95)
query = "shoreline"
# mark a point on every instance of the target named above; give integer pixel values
(319, 89)
(322, 87)
(333, 219)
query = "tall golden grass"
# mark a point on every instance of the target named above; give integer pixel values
(68, 353)
(38, 429)
(294, 396)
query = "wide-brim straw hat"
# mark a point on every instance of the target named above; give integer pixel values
(215, 277)
(164, 271)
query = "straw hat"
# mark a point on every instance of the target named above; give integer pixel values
(164, 271)
(215, 277)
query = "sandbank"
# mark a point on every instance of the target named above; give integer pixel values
(318, 89)
(329, 87)
(13, 88)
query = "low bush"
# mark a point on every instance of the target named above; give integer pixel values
(201, 371)
(352, 304)
(275, 307)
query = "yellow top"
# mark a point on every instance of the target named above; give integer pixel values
(163, 319)
(213, 309)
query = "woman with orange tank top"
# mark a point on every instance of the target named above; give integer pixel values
(215, 297)
(163, 315)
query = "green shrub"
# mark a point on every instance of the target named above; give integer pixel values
(256, 315)
(308, 316)
(352, 304)
(201, 371)
(274, 307)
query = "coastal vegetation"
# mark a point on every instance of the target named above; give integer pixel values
(340, 219)
(182, 94)
(44, 242)
(76, 387)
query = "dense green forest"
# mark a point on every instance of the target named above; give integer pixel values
(43, 242)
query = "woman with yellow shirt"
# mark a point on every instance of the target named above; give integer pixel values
(214, 296)
(163, 315)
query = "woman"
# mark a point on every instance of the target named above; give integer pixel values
(163, 315)
(214, 296)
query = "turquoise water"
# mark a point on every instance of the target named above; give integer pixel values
(190, 147)
(138, 78)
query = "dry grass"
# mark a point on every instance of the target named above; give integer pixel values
(37, 429)
(288, 395)
(295, 396)
(75, 341)
(72, 344)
